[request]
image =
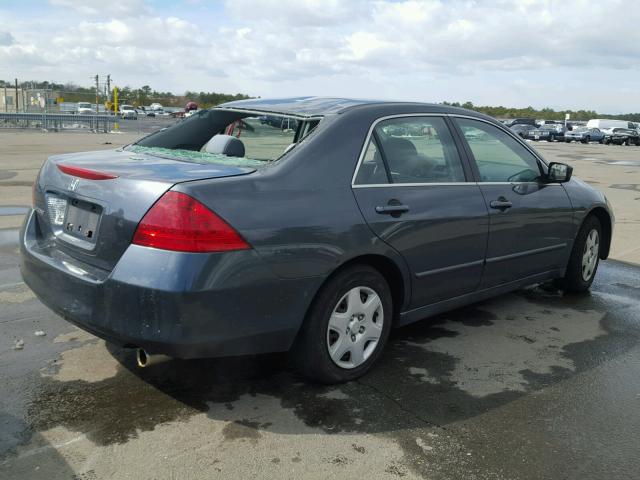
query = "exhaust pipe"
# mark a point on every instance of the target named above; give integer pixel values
(145, 359)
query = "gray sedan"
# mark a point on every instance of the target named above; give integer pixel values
(223, 236)
(584, 135)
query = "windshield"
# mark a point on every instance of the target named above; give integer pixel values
(229, 137)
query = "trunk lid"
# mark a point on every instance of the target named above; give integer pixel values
(95, 220)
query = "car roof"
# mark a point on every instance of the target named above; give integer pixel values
(315, 107)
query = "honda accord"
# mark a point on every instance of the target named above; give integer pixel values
(226, 235)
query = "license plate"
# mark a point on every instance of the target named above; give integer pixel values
(82, 220)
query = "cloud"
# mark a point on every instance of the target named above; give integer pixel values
(6, 38)
(418, 49)
(102, 8)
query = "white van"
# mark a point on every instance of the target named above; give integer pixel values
(605, 123)
(84, 108)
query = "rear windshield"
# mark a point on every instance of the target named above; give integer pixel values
(227, 137)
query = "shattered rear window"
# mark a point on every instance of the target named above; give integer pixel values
(197, 157)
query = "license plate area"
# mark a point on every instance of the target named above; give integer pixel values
(81, 222)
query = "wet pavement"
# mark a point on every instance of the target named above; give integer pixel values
(531, 385)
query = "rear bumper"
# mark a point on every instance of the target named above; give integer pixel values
(180, 304)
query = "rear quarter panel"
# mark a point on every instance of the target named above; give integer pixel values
(300, 213)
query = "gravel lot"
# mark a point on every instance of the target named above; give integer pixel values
(530, 385)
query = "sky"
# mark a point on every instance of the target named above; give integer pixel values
(565, 54)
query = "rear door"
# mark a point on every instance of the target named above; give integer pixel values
(531, 221)
(416, 194)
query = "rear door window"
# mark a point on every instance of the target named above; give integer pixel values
(415, 149)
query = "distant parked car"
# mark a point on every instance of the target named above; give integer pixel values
(522, 129)
(127, 111)
(549, 132)
(523, 121)
(622, 136)
(85, 108)
(584, 135)
(280, 122)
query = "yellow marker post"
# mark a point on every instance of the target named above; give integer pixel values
(116, 127)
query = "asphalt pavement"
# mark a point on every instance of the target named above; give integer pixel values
(531, 385)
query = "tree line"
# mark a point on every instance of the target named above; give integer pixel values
(145, 95)
(544, 113)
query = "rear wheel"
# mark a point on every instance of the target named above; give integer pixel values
(346, 327)
(584, 259)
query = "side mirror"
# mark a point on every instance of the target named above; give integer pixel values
(559, 172)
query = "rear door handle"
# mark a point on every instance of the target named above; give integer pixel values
(501, 204)
(395, 210)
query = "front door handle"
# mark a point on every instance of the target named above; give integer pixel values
(501, 204)
(394, 210)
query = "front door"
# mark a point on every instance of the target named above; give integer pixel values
(412, 188)
(531, 228)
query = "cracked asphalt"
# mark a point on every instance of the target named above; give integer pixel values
(530, 385)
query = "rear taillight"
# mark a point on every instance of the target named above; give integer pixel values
(180, 222)
(85, 173)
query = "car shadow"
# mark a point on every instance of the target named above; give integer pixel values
(449, 368)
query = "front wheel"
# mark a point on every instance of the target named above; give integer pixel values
(346, 328)
(584, 259)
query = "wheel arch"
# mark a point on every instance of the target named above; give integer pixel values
(607, 229)
(388, 268)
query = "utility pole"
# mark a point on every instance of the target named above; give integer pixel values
(16, 95)
(97, 92)
(109, 88)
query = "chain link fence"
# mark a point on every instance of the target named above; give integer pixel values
(58, 121)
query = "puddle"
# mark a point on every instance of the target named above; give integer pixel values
(627, 163)
(6, 174)
(14, 210)
(626, 186)
(8, 237)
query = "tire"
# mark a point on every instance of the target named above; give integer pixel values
(586, 140)
(324, 327)
(551, 138)
(578, 278)
(601, 141)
